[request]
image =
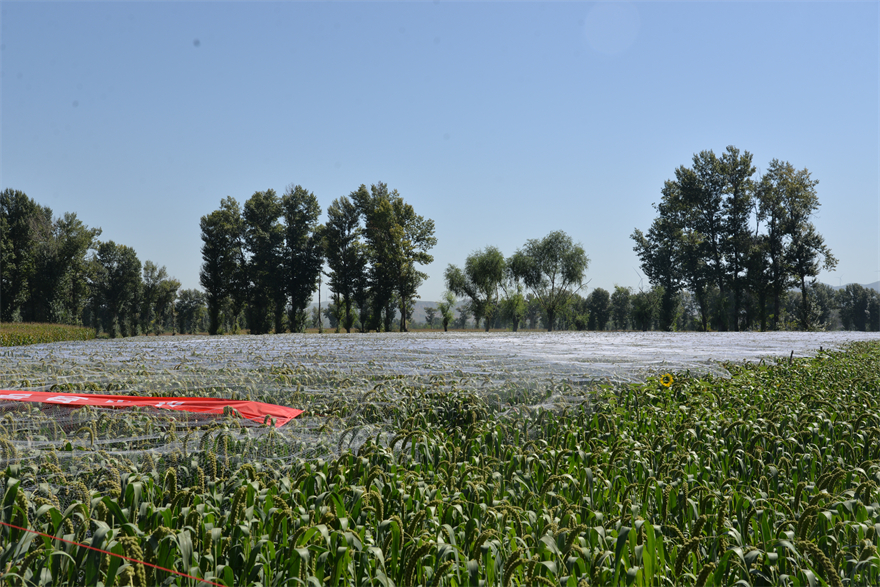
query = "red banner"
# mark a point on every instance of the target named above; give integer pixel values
(256, 411)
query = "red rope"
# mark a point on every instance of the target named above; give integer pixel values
(133, 560)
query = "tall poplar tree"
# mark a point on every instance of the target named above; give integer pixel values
(117, 285)
(397, 239)
(263, 243)
(222, 258)
(346, 256)
(303, 252)
(737, 170)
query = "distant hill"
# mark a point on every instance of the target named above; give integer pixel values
(875, 286)
(418, 311)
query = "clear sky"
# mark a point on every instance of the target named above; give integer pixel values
(500, 121)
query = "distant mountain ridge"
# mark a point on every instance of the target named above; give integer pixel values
(875, 286)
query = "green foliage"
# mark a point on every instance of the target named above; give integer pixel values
(117, 287)
(553, 269)
(480, 281)
(43, 268)
(445, 306)
(191, 311)
(599, 304)
(263, 241)
(768, 477)
(22, 333)
(222, 272)
(347, 256)
(303, 252)
(621, 306)
(719, 229)
(397, 240)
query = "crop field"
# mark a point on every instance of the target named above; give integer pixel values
(467, 459)
(17, 333)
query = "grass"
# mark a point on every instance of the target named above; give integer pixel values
(769, 477)
(23, 333)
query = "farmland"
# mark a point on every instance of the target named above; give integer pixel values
(17, 333)
(529, 459)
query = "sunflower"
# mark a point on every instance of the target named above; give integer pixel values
(666, 380)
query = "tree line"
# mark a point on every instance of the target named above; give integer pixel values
(264, 261)
(55, 269)
(549, 270)
(736, 242)
(727, 251)
(853, 307)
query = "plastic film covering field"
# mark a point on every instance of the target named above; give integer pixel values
(352, 387)
(450, 459)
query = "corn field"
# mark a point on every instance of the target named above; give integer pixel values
(17, 333)
(768, 476)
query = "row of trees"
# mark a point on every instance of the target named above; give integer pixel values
(749, 239)
(853, 307)
(55, 269)
(551, 270)
(266, 258)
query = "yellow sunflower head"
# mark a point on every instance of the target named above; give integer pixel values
(666, 380)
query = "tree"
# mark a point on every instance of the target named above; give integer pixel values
(806, 252)
(463, 312)
(480, 281)
(397, 240)
(577, 312)
(304, 254)
(158, 291)
(644, 307)
(222, 258)
(57, 289)
(771, 262)
(599, 305)
(822, 305)
(6, 258)
(445, 306)
(346, 256)
(874, 311)
(191, 311)
(853, 301)
(263, 241)
(553, 269)
(74, 240)
(332, 312)
(514, 307)
(21, 215)
(621, 306)
(702, 241)
(316, 317)
(661, 250)
(701, 190)
(737, 171)
(118, 281)
(430, 316)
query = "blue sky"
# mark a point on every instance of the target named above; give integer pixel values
(500, 121)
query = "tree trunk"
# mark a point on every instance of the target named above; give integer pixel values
(213, 316)
(403, 314)
(735, 308)
(762, 309)
(805, 305)
(776, 308)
